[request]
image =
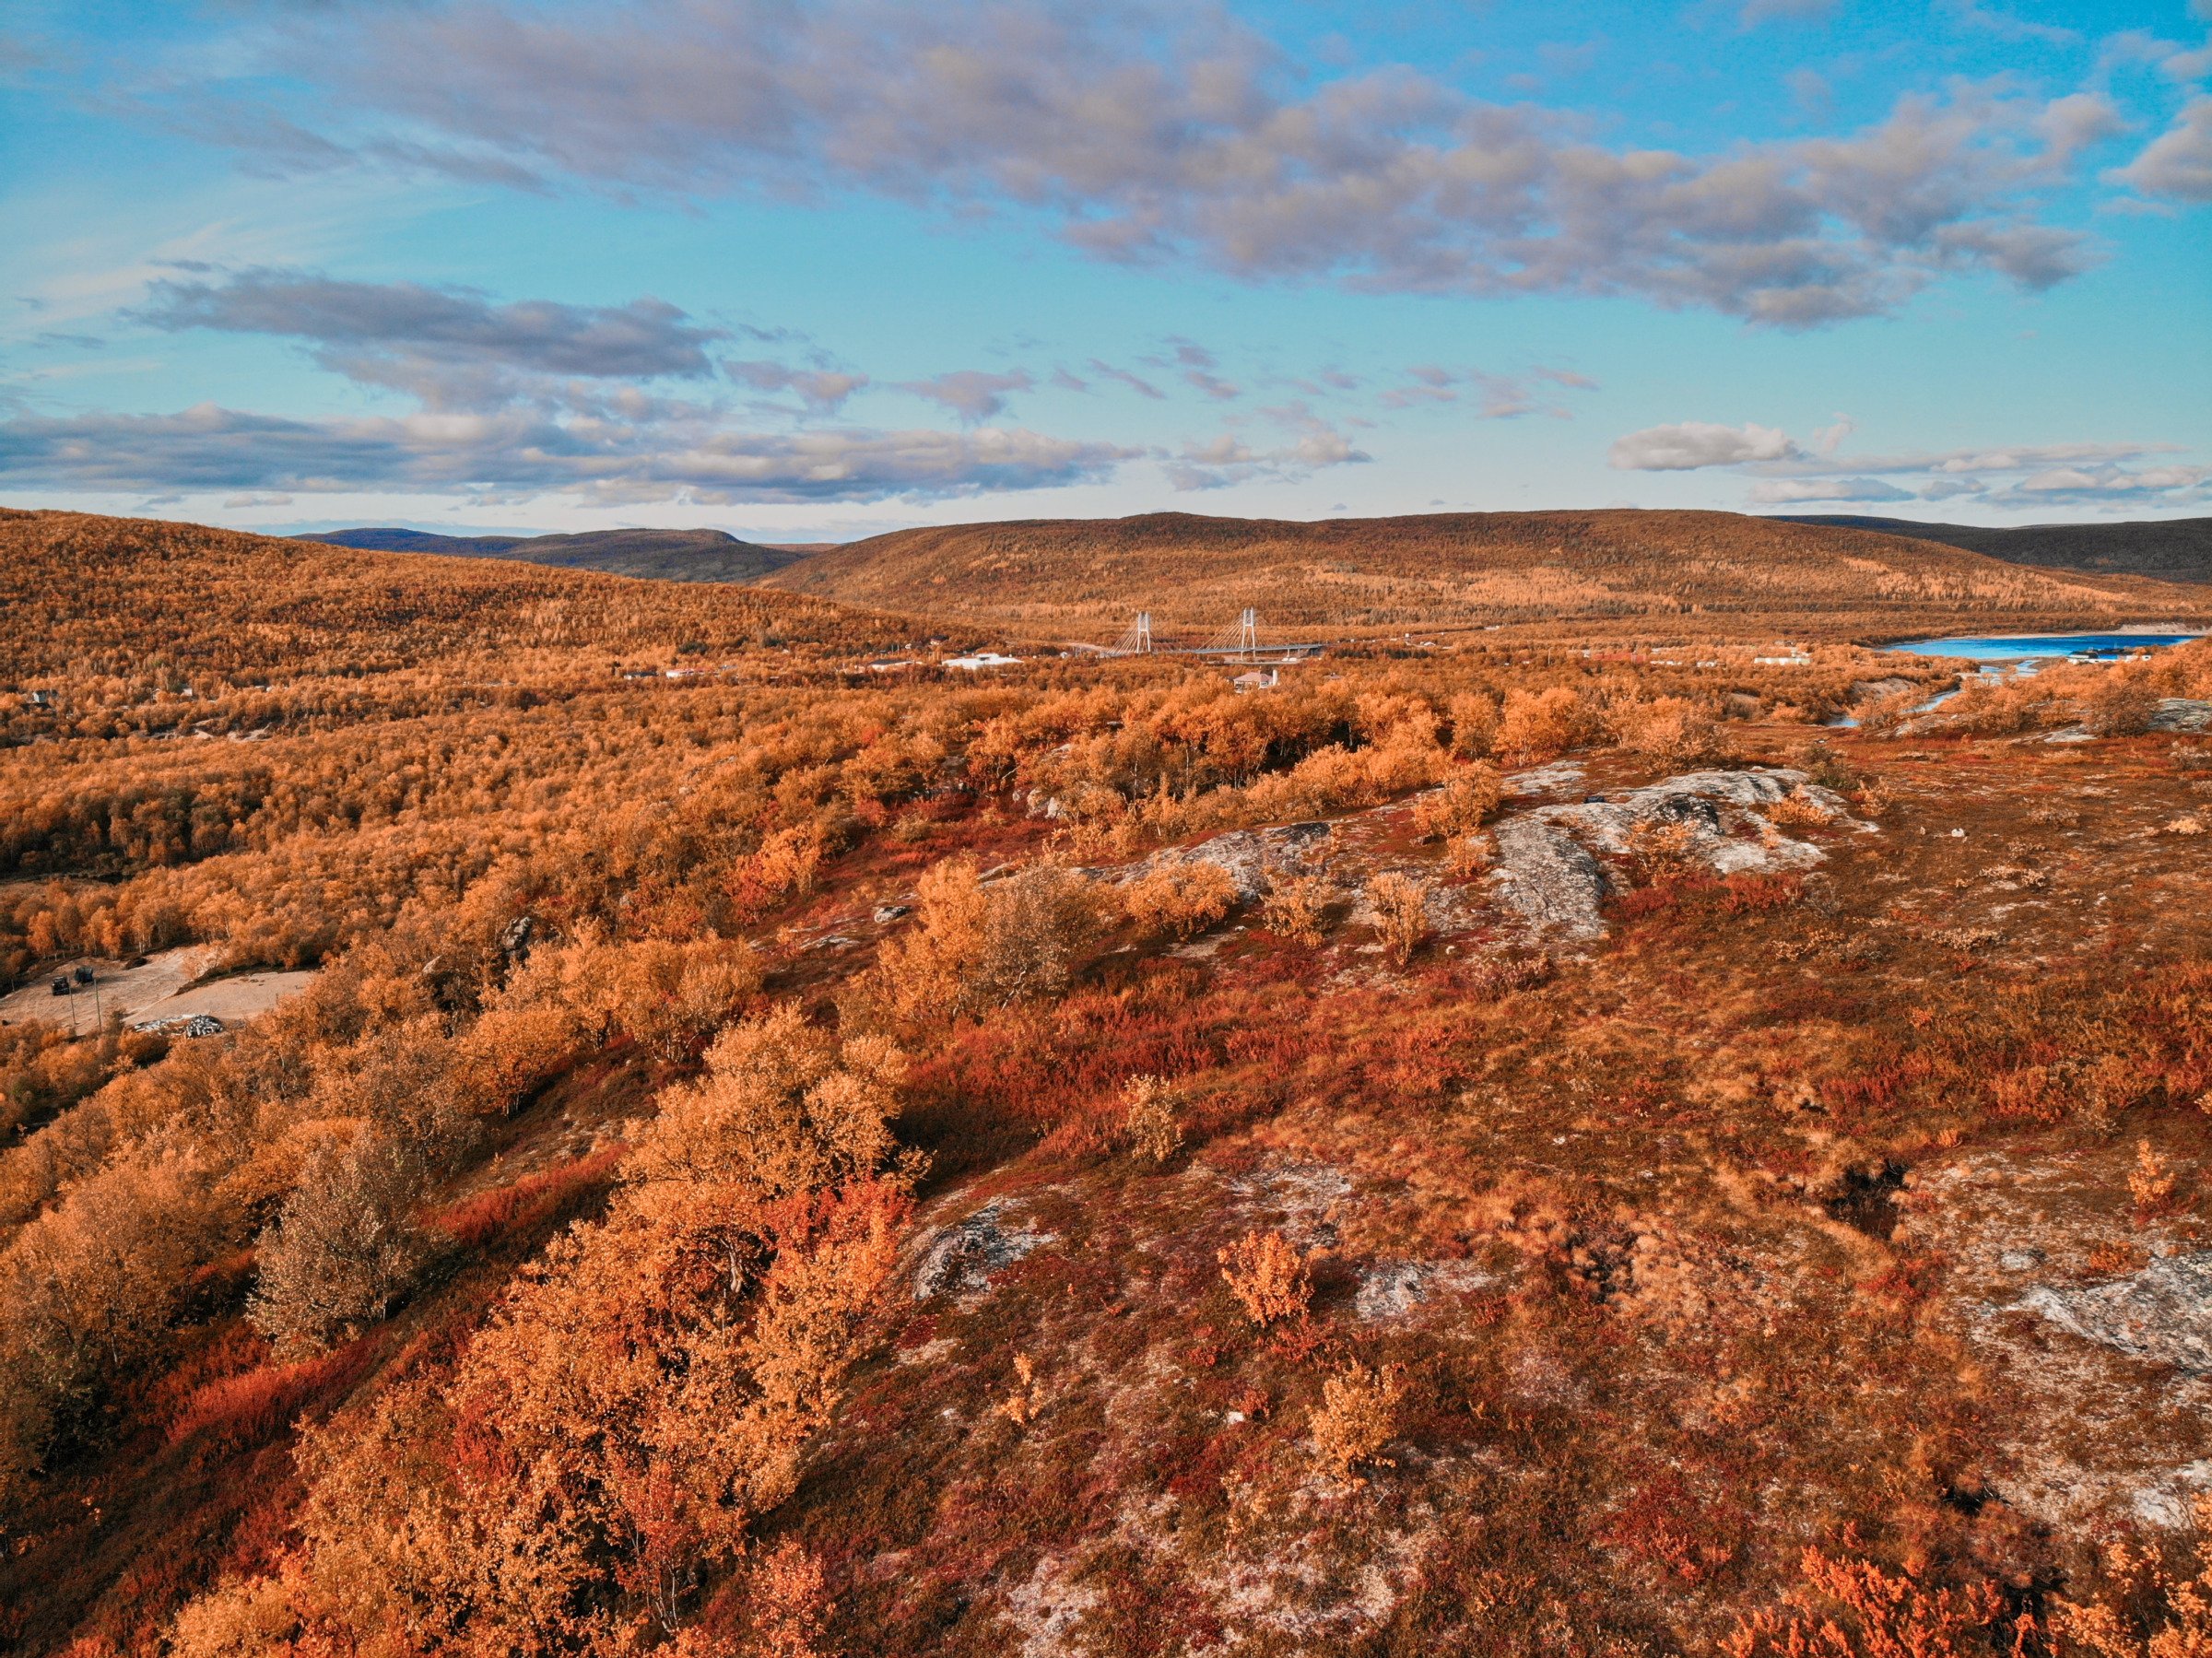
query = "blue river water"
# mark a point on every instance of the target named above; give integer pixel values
(2023, 654)
(2003, 648)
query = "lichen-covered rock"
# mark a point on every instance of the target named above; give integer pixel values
(1545, 873)
(1390, 1288)
(1719, 810)
(2182, 714)
(2162, 1313)
(961, 1258)
(1550, 879)
(1559, 778)
(1247, 854)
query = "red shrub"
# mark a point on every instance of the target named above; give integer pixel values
(233, 1411)
(1751, 894)
(475, 1221)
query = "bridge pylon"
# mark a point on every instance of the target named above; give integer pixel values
(1136, 641)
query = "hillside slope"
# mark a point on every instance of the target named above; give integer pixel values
(1698, 573)
(663, 555)
(1528, 1149)
(2178, 549)
(73, 585)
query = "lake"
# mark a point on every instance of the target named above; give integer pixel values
(2008, 647)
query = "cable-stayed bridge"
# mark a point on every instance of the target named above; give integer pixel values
(1240, 640)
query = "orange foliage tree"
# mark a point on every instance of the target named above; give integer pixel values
(642, 1394)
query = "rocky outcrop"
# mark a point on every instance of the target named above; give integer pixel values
(1717, 808)
(2182, 714)
(959, 1259)
(1548, 879)
(1559, 778)
(1247, 854)
(1546, 875)
(1393, 1289)
(2162, 1313)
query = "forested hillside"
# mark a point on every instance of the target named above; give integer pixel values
(2167, 549)
(664, 555)
(1607, 574)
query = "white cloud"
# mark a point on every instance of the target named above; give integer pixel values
(971, 393)
(1783, 491)
(2178, 162)
(451, 347)
(1689, 444)
(1494, 397)
(671, 453)
(1755, 12)
(2105, 485)
(1144, 134)
(1976, 16)
(1230, 459)
(820, 389)
(2115, 476)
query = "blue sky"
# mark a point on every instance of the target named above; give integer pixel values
(811, 271)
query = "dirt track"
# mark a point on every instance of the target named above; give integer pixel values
(163, 987)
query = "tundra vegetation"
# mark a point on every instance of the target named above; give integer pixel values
(781, 1158)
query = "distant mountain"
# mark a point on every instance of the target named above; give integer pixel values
(664, 554)
(2174, 549)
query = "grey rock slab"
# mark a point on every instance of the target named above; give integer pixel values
(2162, 1313)
(1559, 778)
(1545, 873)
(2182, 714)
(1247, 854)
(963, 1257)
(1714, 806)
(2168, 1504)
(1549, 878)
(1390, 1288)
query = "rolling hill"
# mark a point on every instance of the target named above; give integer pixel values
(1611, 571)
(663, 555)
(2177, 550)
(1617, 571)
